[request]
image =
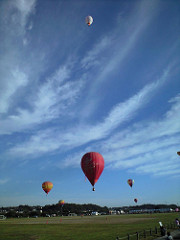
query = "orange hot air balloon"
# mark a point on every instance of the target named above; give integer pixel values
(92, 164)
(135, 200)
(61, 202)
(47, 186)
(130, 182)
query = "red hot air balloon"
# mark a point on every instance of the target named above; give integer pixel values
(92, 164)
(130, 182)
(47, 186)
(135, 200)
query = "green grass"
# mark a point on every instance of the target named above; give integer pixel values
(80, 228)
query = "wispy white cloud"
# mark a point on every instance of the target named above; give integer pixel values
(14, 17)
(92, 58)
(148, 131)
(27, 97)
(145, 148)
(108, 55)
(160, 168)
(17, 80)
(4, 181)
(54, 97)
(21, 10)
(125, 111)
(50, 100)
(50, 140)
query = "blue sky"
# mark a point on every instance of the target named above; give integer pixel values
(67, 89)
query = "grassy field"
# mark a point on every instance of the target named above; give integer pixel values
(81, 228)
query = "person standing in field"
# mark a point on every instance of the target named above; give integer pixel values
(177, 222)
(163, 230)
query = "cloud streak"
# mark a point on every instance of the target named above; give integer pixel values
(108, 55)
(52, 139)
(48, 102)
(49, 109)
(144, 148)
(147, 147)
(14, 17)
(4, 181)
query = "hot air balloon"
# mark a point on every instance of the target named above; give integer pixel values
(92, 164)
(130, 182)
(135, 200)
(61, 202)
(178, 153)
(47, 186)
(89, 20)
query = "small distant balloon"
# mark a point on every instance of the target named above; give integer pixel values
(178, 153)
(47, 186)
(61, 202)
(89, 20)
(130, 182)
(135, 200)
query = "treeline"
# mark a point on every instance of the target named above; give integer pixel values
(68, 208)
(146, 206)
(85, 209)
(58, 210)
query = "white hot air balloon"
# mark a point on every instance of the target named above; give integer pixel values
(89, 20)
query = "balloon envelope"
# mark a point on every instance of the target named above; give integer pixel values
(178, 153)
(130, 182)
(89, 20)
(92, 164)
(135, 200)
(61, 202)
(47, 186)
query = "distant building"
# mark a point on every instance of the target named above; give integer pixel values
(121, 212)
(95, 213)
(21, 212)
(112, 212)
(160, 210)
